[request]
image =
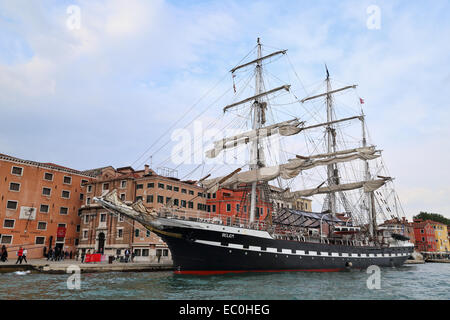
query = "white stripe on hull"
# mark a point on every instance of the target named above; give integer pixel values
(300, 252)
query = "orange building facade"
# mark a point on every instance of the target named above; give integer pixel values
(39, 205)
(107, 233)
(234, 205)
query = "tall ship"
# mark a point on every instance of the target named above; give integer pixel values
(319, 159)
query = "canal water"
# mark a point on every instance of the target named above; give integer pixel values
(424, 281)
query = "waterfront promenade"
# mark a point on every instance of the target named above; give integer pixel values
(42, 265)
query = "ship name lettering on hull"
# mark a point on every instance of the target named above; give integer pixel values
(228, 235)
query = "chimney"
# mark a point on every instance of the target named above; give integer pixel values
(146, 169)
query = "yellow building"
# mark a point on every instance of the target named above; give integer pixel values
(441, 236)
(303, 204)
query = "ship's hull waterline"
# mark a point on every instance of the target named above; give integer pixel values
(202, 248)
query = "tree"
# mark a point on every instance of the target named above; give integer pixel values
(432, 216)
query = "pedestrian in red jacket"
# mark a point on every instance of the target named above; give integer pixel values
(19, 255)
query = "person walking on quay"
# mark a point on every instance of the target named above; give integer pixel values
(82, 256)
(4, 254)
(50, 254)
(24, 255)
(127, 255)
(19, 255)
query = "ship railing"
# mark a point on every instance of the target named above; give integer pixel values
(212, 218)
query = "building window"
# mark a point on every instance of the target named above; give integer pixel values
(150, 198)
(122, 196)
(105, 186)
(200, 194)
(183, 203)
(89, 188)
(190, 205)
(46, 191)
(214, 195)
(65, 194)
(86, 219)
(84, 181)
(42, 225)
(136, 233)
(120, 217)
(168, 187)
(88, 201)
(213, 208)
(44, 208)
(139, 186)
(8, 223)
(165, 253)
(183, 190)
(63, 210)
(176, 189)
(191, 192)
(18, 171)
(67, 180)
(138, 198)
(168, 199)
(238, 207)
(85, 234)
(123, 184)
(176, 202)
(160, 199)
(228, 207)
(39, 240)
(48, 176)
(103, 217)
(11, 204)
(14, 186)
(145, 252)
(81, 196)
(148, 233)
(78, 228)
(137, 252)
(120, 233)
(161, 185)
(150, 185)
(6, 239)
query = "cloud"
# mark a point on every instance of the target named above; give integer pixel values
(102, 94)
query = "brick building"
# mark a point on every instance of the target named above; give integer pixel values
(39, 205)
(104, 232)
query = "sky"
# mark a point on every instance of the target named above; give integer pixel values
(87, 84)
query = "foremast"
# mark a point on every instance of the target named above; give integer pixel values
(332, 172)
(256, 156)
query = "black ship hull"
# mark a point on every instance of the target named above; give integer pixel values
(199, 248)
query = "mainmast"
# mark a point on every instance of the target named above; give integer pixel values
(254, 151)
(370, 201)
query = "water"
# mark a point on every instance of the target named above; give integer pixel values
(425, 281)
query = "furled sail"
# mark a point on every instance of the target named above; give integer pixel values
(285, 128)
(369, 186)
(292, 168)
